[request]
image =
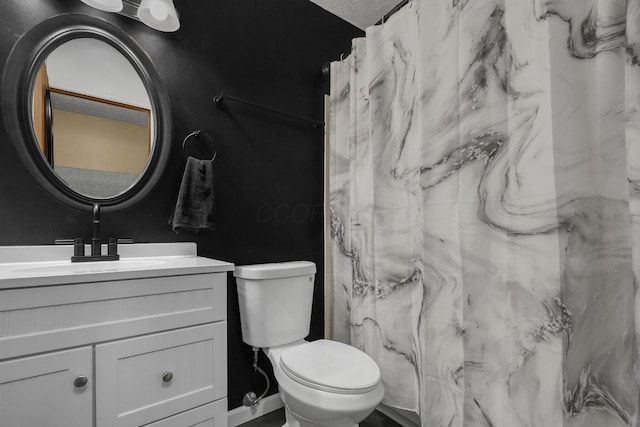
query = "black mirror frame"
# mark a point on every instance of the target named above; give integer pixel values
(16, 100)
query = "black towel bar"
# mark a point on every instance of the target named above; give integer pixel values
(220, 100)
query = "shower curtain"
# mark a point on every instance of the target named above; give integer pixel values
(485, 210)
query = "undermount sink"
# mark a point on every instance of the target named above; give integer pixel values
(88, 267)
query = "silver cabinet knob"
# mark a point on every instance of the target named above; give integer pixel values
(167, 376)
(80, 381)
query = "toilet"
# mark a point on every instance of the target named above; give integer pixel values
(323, 382)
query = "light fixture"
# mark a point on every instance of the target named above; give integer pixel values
(106, 5)
(159, 14)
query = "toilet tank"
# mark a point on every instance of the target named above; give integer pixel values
(275, 302)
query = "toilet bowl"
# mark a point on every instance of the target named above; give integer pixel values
(323, 382)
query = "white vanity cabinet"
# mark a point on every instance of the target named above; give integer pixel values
(109, 344)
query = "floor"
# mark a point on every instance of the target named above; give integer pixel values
(276, 419)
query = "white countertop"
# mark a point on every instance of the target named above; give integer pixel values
(24, 266)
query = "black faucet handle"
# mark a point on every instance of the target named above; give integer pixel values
(78, 246)
(77, 242)
(112, 247)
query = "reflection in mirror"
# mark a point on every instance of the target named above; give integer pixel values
(92, 118)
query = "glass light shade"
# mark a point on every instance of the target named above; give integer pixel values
(159, 14)
(106, 5)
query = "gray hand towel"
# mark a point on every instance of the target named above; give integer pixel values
(195, 206)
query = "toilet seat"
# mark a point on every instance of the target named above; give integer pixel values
(331, 366)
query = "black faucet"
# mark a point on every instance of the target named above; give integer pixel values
(96, 243)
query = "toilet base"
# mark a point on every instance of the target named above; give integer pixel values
(295, 420)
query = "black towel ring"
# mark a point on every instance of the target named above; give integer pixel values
(200, 134)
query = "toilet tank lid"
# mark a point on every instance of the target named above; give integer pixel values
(275, 270)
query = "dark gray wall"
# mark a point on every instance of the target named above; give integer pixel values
(268, 170)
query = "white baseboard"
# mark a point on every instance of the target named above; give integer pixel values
(244, 414)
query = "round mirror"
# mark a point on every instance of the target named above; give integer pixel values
(86, 112)
(92, 118)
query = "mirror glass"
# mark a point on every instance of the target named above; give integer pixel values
(92, 118)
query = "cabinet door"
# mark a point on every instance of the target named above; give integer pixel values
(39, 391)
(145, 379)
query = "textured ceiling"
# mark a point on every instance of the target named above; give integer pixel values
(361, 13)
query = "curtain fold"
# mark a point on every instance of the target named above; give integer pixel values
(485, 205)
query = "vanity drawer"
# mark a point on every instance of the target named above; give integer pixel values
(38, 319)
(145, 379)
(211, 415)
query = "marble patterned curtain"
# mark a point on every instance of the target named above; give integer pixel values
(485, 210)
